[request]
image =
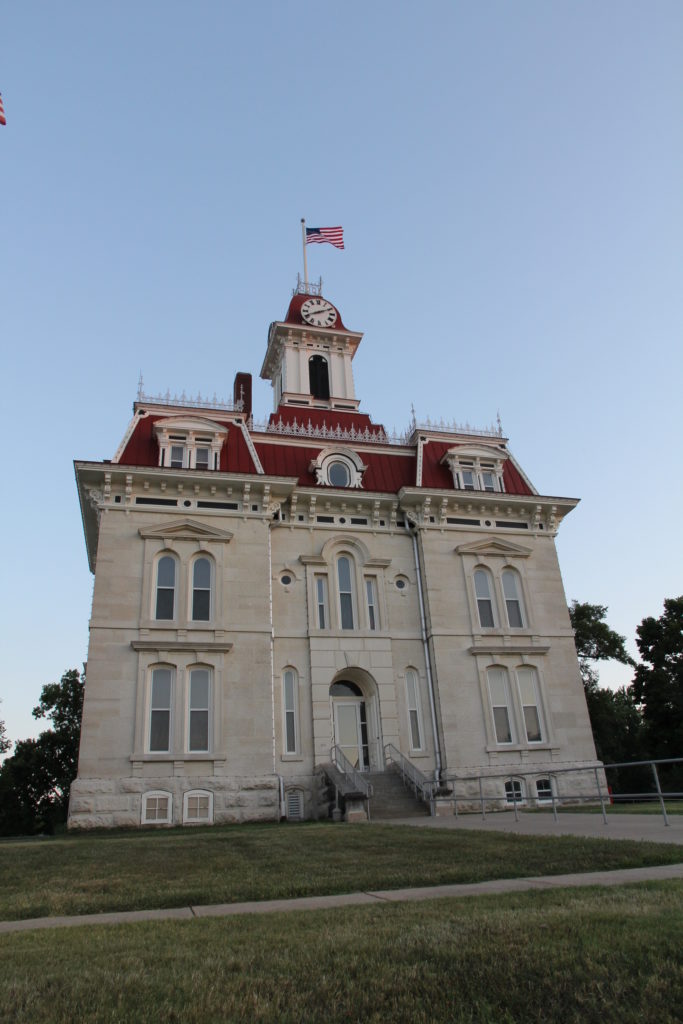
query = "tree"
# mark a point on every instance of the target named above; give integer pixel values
(658, 683)
(614, 714)
(35, 782)
(5, 743)
(594, 640)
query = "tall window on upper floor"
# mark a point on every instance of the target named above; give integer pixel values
(321, 602)
(318, 377)
(513, 599)
(499, 691)
(290, 712)
(166, 588)
(199, 716)
(201, 590)
(346, 597)
(414, 716)
(371, 598)
(528, 692)
(160, 710)
(483, 587)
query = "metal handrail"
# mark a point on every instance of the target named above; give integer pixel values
(424, 787)
(344, 766)
(603, 797)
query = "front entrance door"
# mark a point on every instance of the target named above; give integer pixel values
(351, 732)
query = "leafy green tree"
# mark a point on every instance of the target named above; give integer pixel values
(658, 683)
(35, 782)
(5, 743)
(614, 714)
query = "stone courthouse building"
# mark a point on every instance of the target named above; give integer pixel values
(289, 609)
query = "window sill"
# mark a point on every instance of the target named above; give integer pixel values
(291, 757)
(503, 748)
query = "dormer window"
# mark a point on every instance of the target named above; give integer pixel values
(190, 443)
(476, 468)
(338, 467)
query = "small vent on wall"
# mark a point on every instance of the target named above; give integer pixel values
(295, 805)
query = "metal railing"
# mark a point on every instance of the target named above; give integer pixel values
(424, 788)
(358, 783)
(596, 791)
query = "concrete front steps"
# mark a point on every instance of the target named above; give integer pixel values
(391, 799)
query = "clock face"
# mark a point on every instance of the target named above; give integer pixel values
(319, 312)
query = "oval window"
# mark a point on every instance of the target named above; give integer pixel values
(338, 474)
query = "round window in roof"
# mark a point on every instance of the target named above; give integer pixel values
(338, 474)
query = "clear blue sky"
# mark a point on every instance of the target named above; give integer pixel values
(510, 180)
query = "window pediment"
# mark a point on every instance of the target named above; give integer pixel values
(185, 529)
(494, 547)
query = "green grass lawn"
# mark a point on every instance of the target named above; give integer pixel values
(151, 869)
(587, 956)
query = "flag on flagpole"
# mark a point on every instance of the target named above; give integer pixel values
(3, 119)
(335, 236)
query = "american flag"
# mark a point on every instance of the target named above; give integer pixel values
(3, 119)
(335, 236)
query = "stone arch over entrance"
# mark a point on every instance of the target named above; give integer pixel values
(355, 718)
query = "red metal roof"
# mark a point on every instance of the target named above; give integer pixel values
(389, 468)
(294, 313)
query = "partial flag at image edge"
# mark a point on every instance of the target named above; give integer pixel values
(335, 236)
(3, 119)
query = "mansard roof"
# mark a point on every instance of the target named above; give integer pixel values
(294, 437)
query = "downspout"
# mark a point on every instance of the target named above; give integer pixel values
(281, 782)
(425, 645)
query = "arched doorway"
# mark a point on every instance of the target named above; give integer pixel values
(352, 717)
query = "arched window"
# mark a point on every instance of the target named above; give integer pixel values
(414, 716)
(485, 604)
(346, 597)
(201, 590)
(160, 710)
(499, 691)
(318, 377)
(157, 807)
(290, 710)
(544, 791)
(166, 588)
(199, 710)
(528, 692)
(514, 791)
(513, 599)
(198, 807)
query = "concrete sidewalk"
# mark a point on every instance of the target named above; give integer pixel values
(624, 876)
(647, 827)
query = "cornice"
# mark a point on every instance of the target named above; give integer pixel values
(196, 646)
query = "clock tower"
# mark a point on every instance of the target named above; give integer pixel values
(309, 354)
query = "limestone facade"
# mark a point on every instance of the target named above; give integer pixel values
(264, 593)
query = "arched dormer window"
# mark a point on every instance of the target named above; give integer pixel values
(338, 467)
(202, 578)
(486, 606)
(319, 379)
(476, 467)
(166, 586)
(189, 442)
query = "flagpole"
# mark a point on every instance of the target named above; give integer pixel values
(303, 242)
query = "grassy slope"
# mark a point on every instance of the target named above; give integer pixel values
(86, 873)
(574, 957)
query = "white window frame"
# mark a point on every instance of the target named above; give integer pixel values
(176, 580)
(479, 462)
(505, 679)
(533, 678)
(156, 794)
(518, 786)
(372, 602)
(513, 575)
(352, 592)
(208, 709)
(322, 465)
(212, 586)
(292, 711)
(541, 800)
(488, 576)
(322, 600)
(152, 708)
(192, 434)
(201, 794)
(413, 707)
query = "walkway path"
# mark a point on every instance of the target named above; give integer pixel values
(602, 878)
